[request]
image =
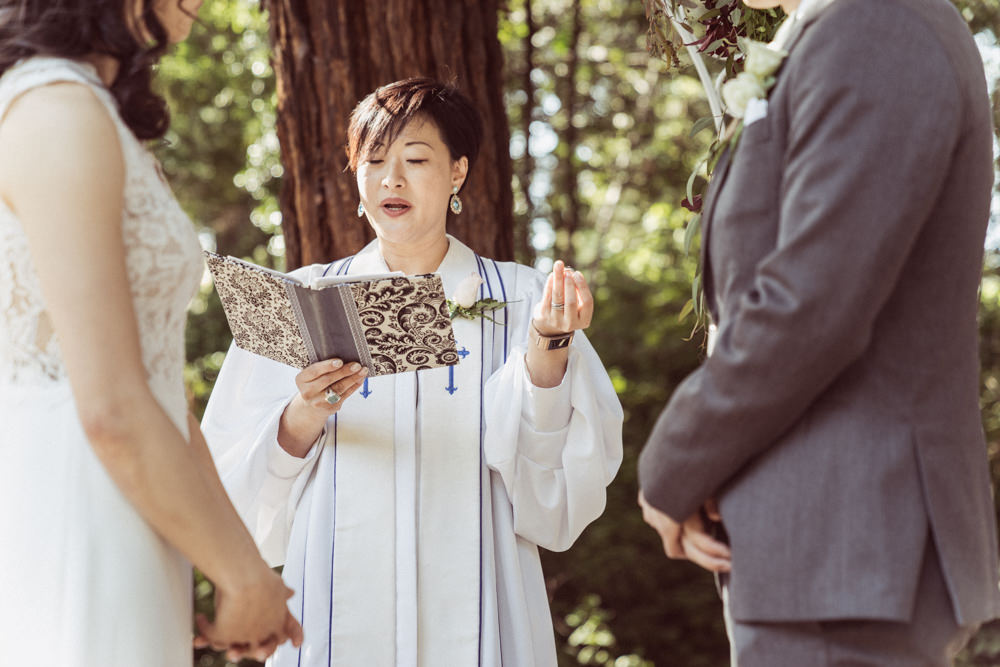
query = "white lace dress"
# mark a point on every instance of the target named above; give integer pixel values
(84, 581)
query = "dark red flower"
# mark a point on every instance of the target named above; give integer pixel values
(693, 207)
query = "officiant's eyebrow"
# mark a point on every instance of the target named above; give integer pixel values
(378, 144)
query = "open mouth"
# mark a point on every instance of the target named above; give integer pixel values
(395, 206)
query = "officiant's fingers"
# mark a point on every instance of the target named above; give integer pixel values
(312, 383)
(344, 387)
(569, 289)
(543, 307)
(585, 300)
(311, 380)
(314, 372)
(558, 283)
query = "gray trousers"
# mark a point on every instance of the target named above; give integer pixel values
(932, 638)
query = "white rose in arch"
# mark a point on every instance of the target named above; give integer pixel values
(467, 291)
(739, 91)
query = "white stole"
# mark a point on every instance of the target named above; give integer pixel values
(405, 513)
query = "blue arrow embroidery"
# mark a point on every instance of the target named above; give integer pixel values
(451, 388)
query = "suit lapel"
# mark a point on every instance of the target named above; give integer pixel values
(786, 38)
(718, 180)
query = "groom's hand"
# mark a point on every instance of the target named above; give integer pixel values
(668, 529)
(688, 540)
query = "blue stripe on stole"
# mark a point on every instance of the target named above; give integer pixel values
(482, 367)
(333, 547)
(489, 285)
(345, 265)
(506, 314)
(305, 550)
(482, 370)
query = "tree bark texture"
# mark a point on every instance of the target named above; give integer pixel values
(328, 55)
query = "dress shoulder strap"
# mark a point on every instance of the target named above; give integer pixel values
(42, 71)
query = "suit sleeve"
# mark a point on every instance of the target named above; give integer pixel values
(874, 117)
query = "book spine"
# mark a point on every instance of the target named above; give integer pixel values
(303, 326)
(357, 331)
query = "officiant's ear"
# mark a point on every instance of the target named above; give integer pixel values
(459, 171)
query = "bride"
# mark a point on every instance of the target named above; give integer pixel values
(106, 484)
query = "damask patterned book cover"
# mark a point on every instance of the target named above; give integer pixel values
(391, 323)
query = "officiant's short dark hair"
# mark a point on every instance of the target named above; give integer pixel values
(379, 118)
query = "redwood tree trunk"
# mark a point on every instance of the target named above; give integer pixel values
(329, 54)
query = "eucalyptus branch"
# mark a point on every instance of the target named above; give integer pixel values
(711, 92)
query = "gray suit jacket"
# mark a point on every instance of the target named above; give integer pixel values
(838, 417)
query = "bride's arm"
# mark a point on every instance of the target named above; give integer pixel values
(63, 176)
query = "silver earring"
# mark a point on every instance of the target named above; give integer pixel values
(454, 203)
(361, 210)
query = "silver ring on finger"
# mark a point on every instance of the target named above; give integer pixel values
(558, 306)
(332, 397)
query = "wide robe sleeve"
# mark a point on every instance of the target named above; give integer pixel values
(555, 449)
(241, 427)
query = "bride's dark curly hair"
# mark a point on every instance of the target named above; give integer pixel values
(78, 28)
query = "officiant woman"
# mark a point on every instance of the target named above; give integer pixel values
(408, 512)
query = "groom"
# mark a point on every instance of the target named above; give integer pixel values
(837, 420)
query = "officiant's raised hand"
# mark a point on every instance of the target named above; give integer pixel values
(566, 306)
(323, 388)
(689, 540)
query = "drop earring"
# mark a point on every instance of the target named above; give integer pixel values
(361, 210)
(454, 203)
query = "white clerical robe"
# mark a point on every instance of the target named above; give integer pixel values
(410, 530)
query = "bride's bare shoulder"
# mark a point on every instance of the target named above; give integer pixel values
(57, 129)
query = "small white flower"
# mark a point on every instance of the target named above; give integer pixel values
(739, 91)
(762, 60)
(467, 291)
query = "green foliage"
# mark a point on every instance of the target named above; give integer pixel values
(221, 156)
(476, 310)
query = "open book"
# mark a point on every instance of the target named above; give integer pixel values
(390, 323)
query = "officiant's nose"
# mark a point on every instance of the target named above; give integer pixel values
(394, 177)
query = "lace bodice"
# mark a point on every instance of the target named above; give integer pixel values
(163, 259)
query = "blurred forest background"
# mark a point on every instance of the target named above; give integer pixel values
(601, 142)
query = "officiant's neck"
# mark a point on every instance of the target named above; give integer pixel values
(414, 258)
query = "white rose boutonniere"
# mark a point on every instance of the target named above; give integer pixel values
(763, 60)
(757, 78)
(738, 92)
(465, 293)
(463, 302)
